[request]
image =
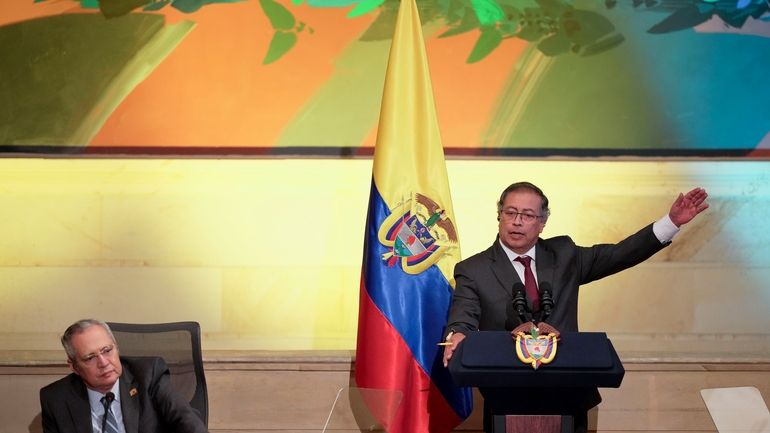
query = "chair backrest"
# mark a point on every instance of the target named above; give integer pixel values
(179, 344)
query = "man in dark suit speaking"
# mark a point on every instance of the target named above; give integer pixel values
(109, 394)
(484, 290)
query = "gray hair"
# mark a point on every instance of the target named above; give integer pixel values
(77, 328)
(544, 211)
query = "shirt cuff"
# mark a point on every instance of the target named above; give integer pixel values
(664, 229)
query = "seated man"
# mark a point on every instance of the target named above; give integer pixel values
(144, 400)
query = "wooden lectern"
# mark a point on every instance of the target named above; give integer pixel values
(536, 400)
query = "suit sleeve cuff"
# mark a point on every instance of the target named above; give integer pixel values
(665, 229)
(459, 328)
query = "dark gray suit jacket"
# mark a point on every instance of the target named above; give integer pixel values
(483, 293)
(153, 408)
(483, 300)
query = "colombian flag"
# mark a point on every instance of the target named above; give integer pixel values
(410, 250)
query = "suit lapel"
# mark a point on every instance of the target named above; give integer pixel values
(546, 266)
(502, 268)
(129, 401)
(79, 407)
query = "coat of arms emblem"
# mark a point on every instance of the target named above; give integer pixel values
(416, 234)
(536, 349)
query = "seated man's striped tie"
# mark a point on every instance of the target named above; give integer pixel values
(109, 423)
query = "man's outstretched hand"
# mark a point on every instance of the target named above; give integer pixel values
(451, 345)
(688, 206)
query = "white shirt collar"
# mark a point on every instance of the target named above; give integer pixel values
(95, 397)
(513, 255)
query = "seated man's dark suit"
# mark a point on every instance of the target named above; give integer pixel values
(148, 402)
(484, 294)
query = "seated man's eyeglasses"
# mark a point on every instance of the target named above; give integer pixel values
(90, 359)
(510, 214)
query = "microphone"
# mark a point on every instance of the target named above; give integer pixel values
(108, 399)
(520, 302)
(546, 300)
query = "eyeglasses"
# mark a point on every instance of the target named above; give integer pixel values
(526, 217)
(90, 359)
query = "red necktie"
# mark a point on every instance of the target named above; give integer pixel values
(529, 282)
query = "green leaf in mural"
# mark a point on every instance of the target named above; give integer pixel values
(531, 33)
(190, 6)
(489, 40)
(116, 8)
(603, 45)
(552, 7)
(280, 17)
(154, 6)
(429, 11)
(487, 11)
(585, 27)
(187, 6)
(364, 7)
(453, 11)
(554, 45)
(468, 23)
(510, 23)
(280, 44)
(684, 18)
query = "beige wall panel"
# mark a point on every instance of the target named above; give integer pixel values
(279, 308)
(692, 298)
(49, 228)
(20, 397)
(272, 400)
(197, 212)
(266, 253)
(38, 303)
(601, 201)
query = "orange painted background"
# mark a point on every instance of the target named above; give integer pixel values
(214, 91)
(597, 81)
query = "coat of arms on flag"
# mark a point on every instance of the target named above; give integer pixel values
(417, 232)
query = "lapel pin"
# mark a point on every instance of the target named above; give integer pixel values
(133, 392)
